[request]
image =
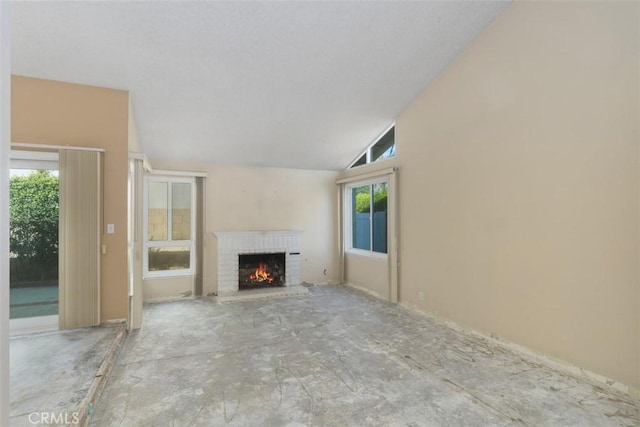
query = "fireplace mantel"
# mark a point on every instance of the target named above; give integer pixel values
(233, 243)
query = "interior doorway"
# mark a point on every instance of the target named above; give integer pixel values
(33, 248)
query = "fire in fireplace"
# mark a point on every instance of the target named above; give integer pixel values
(261, 270)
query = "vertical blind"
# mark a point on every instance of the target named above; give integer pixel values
(79, 245)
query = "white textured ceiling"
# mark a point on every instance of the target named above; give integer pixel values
(287, 84)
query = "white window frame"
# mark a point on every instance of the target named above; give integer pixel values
(348, 218)
(367, 151)
(164, 243)
(34, 160)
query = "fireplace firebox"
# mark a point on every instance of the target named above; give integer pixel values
(261, 270)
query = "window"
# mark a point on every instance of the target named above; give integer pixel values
(383, 148)
(367, 213)
(169, 226)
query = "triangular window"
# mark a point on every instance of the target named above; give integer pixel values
(382, 148)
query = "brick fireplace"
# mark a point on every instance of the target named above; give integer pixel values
(232, 245)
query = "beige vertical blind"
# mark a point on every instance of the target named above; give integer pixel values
(80, 227)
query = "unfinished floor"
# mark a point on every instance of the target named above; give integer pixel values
(52, 373)
(336, 357)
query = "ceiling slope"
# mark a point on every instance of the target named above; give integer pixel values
(285, 84)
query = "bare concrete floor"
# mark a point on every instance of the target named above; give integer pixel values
(336, 357)
(52, 372)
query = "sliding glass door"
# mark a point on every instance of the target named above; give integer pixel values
(33, 256)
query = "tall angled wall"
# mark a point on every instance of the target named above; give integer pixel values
(58, 113)
(519, 181)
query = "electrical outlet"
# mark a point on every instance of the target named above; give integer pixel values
(111, 228)
(421, 295)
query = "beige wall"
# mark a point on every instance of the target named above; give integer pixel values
(519, 185)
(525, 154)
(252, 198)
(57, 113)
(368, 272)
(157, 289)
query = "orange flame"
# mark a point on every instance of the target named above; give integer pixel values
(261, 275)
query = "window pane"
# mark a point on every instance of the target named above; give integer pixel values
(361, 229)
(157, 215)
(33, 242)
(180, 211)
(169, 258)
(380, 217)
(385, 147)
(361, 161)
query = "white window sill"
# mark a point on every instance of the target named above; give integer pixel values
(368, 254)
(167, 274)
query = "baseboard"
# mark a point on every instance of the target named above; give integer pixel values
(532, 355)
(366, 291)
(327, 283)
(113, 322)
(543, 359)
(172, 298)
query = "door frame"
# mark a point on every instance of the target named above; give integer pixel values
(48, 160)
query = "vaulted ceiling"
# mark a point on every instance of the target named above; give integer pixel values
(286, 84)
